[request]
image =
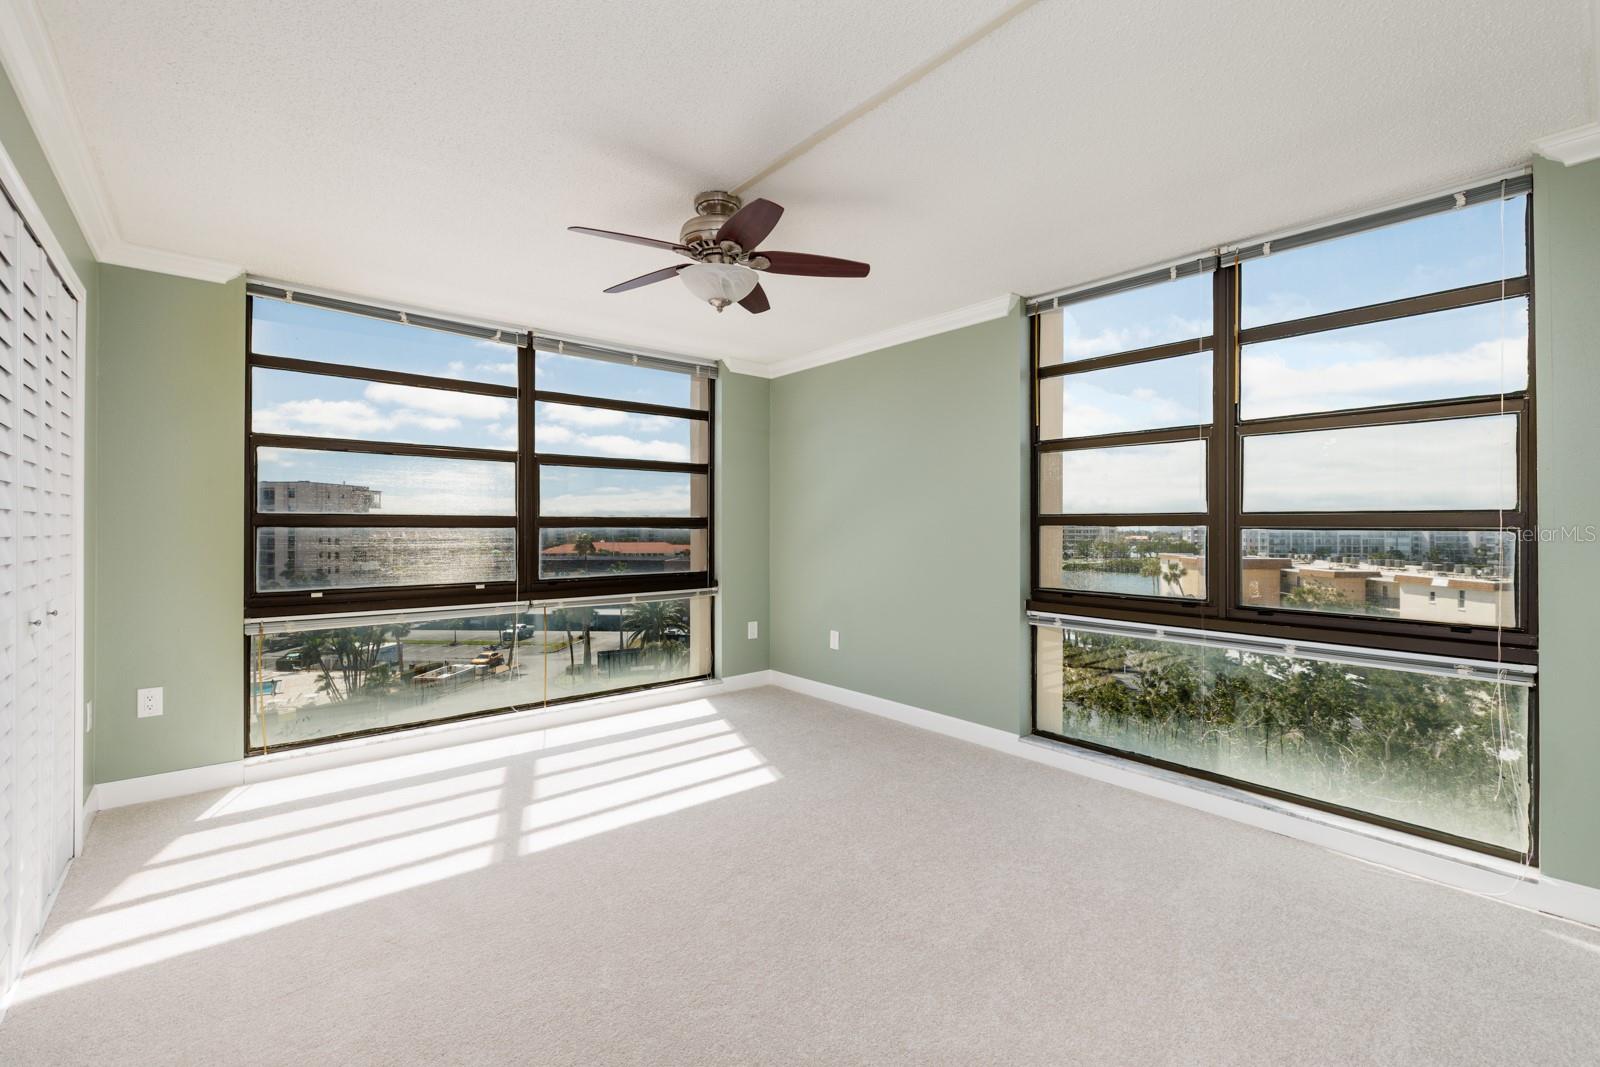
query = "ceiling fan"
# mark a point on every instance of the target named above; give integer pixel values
(722, 239)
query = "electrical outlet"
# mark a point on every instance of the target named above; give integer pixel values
(833, 640)
(149, 702)
(751, 630)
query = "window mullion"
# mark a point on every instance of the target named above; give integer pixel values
(1223, 499)
(527, 474)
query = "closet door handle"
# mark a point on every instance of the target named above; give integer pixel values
(35, 622)
(53, 611)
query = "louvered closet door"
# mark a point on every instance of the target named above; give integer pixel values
(33, 737)
(59, 633)
(55, 640)
(38, 594)
(11, 942)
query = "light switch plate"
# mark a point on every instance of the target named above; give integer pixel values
(751, 630)
(149, 702)
(833, 640)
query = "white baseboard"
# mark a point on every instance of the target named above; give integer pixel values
(91, 808)
(949, 725)
(734, 683)
(361, 749)
(165, 786)
(1458, 868)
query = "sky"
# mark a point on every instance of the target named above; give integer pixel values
(1466, 352)
(289, 403)
(1474, 351)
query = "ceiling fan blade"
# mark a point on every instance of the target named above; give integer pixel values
(813, 266)
(750, 225)
(756, 302)
(647, 279)
(613, 235)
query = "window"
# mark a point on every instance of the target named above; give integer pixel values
(405, 464)
(323, 679)
(1324, 441)
(1410, 746)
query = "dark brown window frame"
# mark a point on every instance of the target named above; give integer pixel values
(526, 521)
(1224, 518)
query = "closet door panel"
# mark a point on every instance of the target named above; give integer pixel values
(10, 312)
(56, 640)
(31, 737)
(38, 586)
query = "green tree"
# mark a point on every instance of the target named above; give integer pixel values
(348, 659)
(1150, 567)
(1318, 595)
(581, 619)
(1412, 746)
(1173, 574)
(660, 628)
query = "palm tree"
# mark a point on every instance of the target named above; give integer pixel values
(660, 626)
(587, 615)
(1150, 567)
(354, 654)
(1174, 574)
(583, 547)
(581, 618)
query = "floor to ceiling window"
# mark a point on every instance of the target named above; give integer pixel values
(446, 519)
(1284, 523)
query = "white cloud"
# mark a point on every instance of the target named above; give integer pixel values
(1140, 478)
(325, 418)
(575, 416)
(1454, 463)
(1076, 345)
(546, 435)
(618, 445)
(343, 418)
(618, 501)
(440, 402)
(1330, 375)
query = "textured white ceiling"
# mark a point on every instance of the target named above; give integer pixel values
(433, 154)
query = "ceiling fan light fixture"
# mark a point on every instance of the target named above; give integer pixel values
(719, 284)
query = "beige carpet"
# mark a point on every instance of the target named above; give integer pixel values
(764, 878)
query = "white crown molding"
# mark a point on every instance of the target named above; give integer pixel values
(123, 254)
(983, 311)
(30, 62)
(1573, 146)
(1581, 143)
(747, 366)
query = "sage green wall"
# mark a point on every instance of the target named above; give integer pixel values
(899, 505)
(1566, 222)
(171, 496)
(741, 526)
(172, 565)
(17, 136)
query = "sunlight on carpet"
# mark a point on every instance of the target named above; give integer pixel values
(273, 853)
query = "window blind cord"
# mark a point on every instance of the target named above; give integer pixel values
(1503, 732)
(256, 697)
